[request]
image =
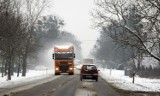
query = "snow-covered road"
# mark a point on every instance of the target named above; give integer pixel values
(70, 85)
(116, 78)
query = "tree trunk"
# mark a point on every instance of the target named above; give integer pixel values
(19, 66)
(9, 68)
(24, 64)
(138, 63)
(2, 69)
(12, 68)
(159, 52)
(18, 70)
(5, 68)
(2, 75)
(138, 60)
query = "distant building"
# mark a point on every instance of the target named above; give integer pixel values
(88, 61)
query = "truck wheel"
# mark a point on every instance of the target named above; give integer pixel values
(57, 73)
(71, 73)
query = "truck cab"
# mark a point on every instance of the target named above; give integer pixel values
(64, 60)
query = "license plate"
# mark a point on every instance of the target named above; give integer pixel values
(89, 76)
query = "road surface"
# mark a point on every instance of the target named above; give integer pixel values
(70, 86)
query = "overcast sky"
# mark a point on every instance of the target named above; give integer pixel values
(77, 18)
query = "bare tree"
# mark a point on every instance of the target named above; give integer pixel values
(17, 37)
(11, 24)
(34, 8)
(133, 23)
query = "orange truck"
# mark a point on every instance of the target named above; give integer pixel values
(64, 60)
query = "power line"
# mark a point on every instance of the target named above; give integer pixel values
(88, 41)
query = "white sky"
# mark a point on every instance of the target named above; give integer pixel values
(77, 18)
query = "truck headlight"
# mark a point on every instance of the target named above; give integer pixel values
(71, 68)
(57, 68)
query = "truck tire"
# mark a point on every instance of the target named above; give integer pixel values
(71, 73)
(57, 73)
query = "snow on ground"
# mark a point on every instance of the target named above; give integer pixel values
(118, 79)
(86, 89)
(30, 76)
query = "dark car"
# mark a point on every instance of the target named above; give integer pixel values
(89, 72)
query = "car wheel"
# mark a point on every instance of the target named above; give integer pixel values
(97, 79)
(81, 78)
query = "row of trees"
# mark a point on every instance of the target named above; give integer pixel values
(17, 38)
(134, 25)
(110, 52)
(23, 32)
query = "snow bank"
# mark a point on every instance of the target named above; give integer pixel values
(30, 76)
(118, 79)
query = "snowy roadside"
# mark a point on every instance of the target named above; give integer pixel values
(32, 79)
(120, 81)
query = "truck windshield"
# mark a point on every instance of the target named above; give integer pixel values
(64, 56)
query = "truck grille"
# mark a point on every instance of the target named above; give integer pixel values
(63, 62)
(63, 68)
